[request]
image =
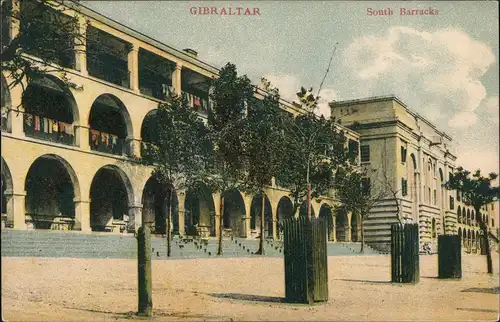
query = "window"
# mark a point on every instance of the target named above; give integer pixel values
(452, 203)
(492, 222)
(435, 197)
(458, 196)
(366, 186)
(403, 154)
(404, 187)
(365, 153)
(492, 208)
(353, 147)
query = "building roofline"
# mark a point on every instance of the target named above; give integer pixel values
(139, 35)
(390, 97)
(169, 49)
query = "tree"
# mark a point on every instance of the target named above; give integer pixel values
(476, 191)
(262, 147)
(46, 42)
(356, 194)
(313, 149)
(227, 125)
(179, 153)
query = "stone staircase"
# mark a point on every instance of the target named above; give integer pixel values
(48, 243)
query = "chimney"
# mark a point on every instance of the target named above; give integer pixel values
(191, 52)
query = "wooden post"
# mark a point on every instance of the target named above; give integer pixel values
(449, 256)
(144, 271)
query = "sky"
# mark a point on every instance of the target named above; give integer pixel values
(442, 66)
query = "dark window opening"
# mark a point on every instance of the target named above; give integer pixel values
(403, 154)
(404, 187)
(155, 75)
(47, 33)
(365, 153)
(107, 57)
(353, 148)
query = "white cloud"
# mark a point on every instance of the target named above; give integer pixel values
(440, 69)
(491, 108)
(289, 85)
(463, 119)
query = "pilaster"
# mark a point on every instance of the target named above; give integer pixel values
(133, 68)
(82, 215)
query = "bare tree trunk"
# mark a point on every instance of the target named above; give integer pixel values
(261, 239)
(221, 224)
(484, 229)
(169, 220)
(362, 235)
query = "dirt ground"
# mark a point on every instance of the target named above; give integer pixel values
(36, 289)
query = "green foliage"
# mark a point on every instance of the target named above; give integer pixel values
(356, 194)
(227, 126)
(313, 148)
(45, 32)
(263, 140)
(476, 190)
(179, 150)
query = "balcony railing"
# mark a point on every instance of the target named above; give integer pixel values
(106, 142)
(48, 129)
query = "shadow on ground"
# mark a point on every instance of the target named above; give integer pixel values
(156, 313)
(248, 297)
(491, 290)
(364, 281)
(477, 310)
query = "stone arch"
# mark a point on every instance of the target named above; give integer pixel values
(413, 179)
(155, 202)
(469, 238)
(326, 213)
(52, 187)
(255, 214)
(341, 225)
(303, 210)
(464, 237)
(460, 233)
(468, 217)
(464, 216)
(459, 215)
(49, 93)
(234, 212)
(199, 211)
(413, 161)
(6, 104)
(111, 194)
(148, 129)
(284, 210)
(7, 193)
(473, 218)
(110, 125)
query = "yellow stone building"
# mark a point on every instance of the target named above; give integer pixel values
(68, 153)
(65, 150)
(404, 150)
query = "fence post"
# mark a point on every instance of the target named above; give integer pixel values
(449, 256)
(306, 269)
(405, 266)
(144, 271)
